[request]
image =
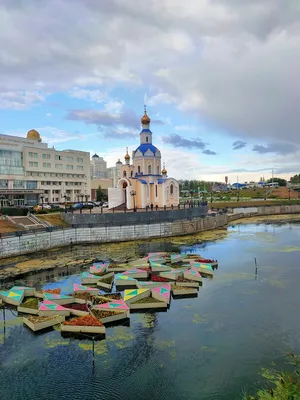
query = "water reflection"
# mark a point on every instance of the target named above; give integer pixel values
(201, 348)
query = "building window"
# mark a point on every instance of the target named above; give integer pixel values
(31, 185)
(33, 164)
(149, 169)
(158, 171)
(46, 156)
(33, 155)
(69, 158)
(69, 166)
(58, 166)
(58, 157)
(155, 190)
(3, 183)
(19, 184)
(124, 174)
(79, 167)
(139, 169)
(79, 160)
(147, 140)
(46, 165)
(171, 189)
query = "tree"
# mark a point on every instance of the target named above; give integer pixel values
(280, 181)
(100, 195)
(295, 178)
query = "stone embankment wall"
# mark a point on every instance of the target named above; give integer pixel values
(33, 242)
(28, 243)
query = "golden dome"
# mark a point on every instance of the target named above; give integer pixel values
(145, 119)
(127, 156)
(164, 171)
(34, 135)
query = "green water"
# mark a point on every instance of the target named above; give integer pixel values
(210, 347)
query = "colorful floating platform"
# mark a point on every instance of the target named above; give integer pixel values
(85, 289)
(59, 298)
(13, 296)
(87, 324)
(108, 316)
(38, 323)
(89, 279)
(125, 280)
(106, 281)
(184, 290)
(49, 308)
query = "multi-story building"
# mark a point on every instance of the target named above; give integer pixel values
(98, 167)
(113, 173)
(31, 172)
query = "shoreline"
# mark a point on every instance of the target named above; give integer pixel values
(80, 255)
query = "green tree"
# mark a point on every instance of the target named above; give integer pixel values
(100, 195)
(295, 178)
(280, 181)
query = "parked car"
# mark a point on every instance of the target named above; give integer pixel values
(77, 206)
(105, 204)
(41, 207)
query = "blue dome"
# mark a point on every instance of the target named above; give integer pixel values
(146, 146)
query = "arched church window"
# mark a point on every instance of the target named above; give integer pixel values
(149, 169)
(124, 174)
(147, 140)
(139, 169)
(157, 170)
(171, 189)
(131, 173)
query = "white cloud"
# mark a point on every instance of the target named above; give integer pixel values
(19, 100)
(234, 64)
(93, 95)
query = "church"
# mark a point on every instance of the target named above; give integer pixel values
(142, 181)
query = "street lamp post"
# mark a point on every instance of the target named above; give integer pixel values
(289, 193)
(42, 198)
(133, 193)
(65, 197)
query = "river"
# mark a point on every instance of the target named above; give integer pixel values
(209, 347)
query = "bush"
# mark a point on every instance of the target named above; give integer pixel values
(14, 211)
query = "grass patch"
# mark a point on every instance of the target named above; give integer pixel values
(54, 219)
(147, 300)
(31, 302)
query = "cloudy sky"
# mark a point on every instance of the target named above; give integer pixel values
(220, 79)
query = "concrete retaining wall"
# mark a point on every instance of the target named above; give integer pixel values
(28, 243)
(134, 218)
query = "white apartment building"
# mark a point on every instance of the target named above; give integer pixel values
(113, 173)
(98, 167)
(31, 172)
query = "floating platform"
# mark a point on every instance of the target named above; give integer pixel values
(12, 297)
(162, 293)
(28, 291)
(193, 275)
(177, 258)
(112, 315)
(116, 268)
(132, 295)
(105, 285)
(83, 289)
(49, 308)
(89, 279)
(113, 305)
(203, 268)
(125, 280)
(37, 323)
(29, 306)
(183, 290)
(188, 283)
(59, 298)
(98, 269)
(157, 267)
(83, 329)
(90, 324)
(136, 273)
(172, 275)
(149, 285)
(148, 303)
(78, 313)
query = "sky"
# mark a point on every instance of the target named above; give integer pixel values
(220, 79)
